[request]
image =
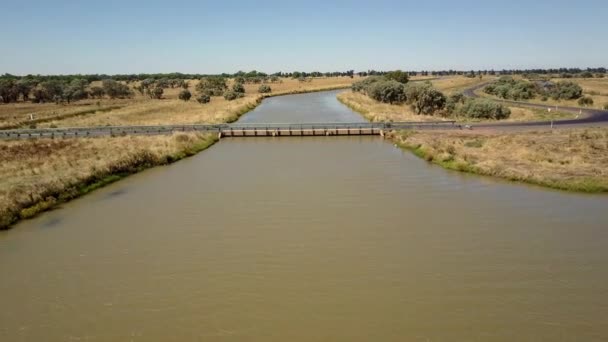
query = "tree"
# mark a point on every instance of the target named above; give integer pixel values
(24, 86)
(51, 90)
(75, 90)
(399, 76)
(116, 89)
(387, 91)
(453, 101)
(97, 92)
(264, 88)
(185, 95)
(429, 101)
(8, 91)
(425, 99)
(213, 86)
(364, 85)
(566, 90)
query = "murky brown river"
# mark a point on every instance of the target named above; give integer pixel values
(309, 239)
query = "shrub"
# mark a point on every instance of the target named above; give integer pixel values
(75, 90)
(399, 76)
(585, 101)
(484, 109)
(522, 90)
(96, 92)
(414, 90)
(425, 99)
(566, 90)
(606, 106)
(508, 88)
(156, 92)
(363, 85)
(115, 89)
(185, 95)
(212, 86)
(232, 95)
(429, 100)
(453, 101)
(387, 92)
(203, 98)
(264, 88)
(238, 88)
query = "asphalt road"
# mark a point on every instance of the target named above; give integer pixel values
(588, 117)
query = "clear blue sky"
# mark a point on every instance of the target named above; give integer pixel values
(107, 36)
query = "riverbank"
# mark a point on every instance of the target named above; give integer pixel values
(572, 159)
(565, 159)
(39, 175)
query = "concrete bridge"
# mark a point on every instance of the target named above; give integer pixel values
(235, 129)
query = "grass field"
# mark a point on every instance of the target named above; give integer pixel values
(568, 159)
(455, 84)
(142, 110)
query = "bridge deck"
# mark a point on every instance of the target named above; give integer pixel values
(235, 129)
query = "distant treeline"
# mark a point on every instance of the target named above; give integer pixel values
(562, 72)
(176, 75)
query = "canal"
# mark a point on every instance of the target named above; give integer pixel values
(309, 239)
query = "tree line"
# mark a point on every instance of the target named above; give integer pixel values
(567, 72)
(58, 91)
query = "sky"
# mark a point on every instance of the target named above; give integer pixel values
(111, 37)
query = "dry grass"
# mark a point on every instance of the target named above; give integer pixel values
(451, 85)
(572, 159)
(37, 174)
(14, 115)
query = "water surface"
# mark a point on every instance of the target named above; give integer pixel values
(309, 239)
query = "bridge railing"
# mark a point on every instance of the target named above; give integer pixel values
(160, 129)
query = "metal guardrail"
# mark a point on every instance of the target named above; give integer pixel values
(217, 128)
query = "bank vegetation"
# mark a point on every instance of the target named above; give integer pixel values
(566, 159)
